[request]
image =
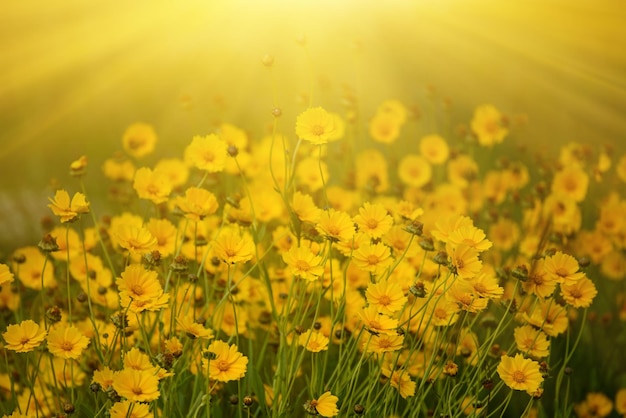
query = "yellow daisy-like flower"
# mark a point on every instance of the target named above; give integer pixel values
(579, 294)
(139, 139)
(317, 126)
(595, 405)
(30, 271)
(232, 247)
(462, 170)
(386, 296)
(193, 329)
(563, 268)
(227, 363)
(414, 171)
(24, 337)
(130, 409)
(103, 377)
(374, 258)
(378, 323)
(304, 207)
(152, 185)
(539, 282)
(373, 220)
(335, 225)
(325, 405)
(116, 169)
(135, 240)
(174, 169)
(164, 231)
(470, 235)
(464, 260)
(303, 263)
(197, 203)
(139, 284)
(137, 385)
(67, 210)
(5, 274)
(313, 341)
(208, 153)
(488, 125)
(520, 373)
(400, 380)
(435, 149)
(67, 342)
(531, 341)
(572, 182)
(384, 128)
(384, 343)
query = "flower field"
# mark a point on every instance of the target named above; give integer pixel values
(341, 262)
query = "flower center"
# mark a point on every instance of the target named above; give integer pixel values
(302, 265)
(519, 376)
(318, 130)
(372, 260)
(223, 365)
(67, 346)
(384, 300)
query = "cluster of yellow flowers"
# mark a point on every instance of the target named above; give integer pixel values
(255, 271)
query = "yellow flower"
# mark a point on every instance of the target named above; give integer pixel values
(129, 409)
(539, 282)
(304, 207)
(596, 405)
(620, 168)
(139, 139)
(193, 329)
(140, 289)
(67, 342)
(24, 337)
(384, 343)
(312, 173)
(572, 182)
(620, 401)
(325, 405)
(67, 210)
(374, 258)
(29, 272)
(317, 126)
(335, 225)
(118, 170)
(384, 128)
(435, 149)
(303, 263)
(136, 385)
(371, 172)
(393, 108)
(152, 185)
(446, 225)
(135, 240)
(103, 377)
(462, 170)
(313, 341)
(400, 380)
(414, 170)
(232, 247)
(17, 414)
(531, 341)
(579, 294)
(207, 153)
(164, 232)
(226, 364)
(386, 296)
(548, 316)
(373, 220)
(464, 260)
(470, 235)
(563, 268)
(197, 203)
(376, 322)
(174, 169)
(488, 125)
(5, 274)
(520, 373)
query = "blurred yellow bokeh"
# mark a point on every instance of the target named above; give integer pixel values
(75, 74)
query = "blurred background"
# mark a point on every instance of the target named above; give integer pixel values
(75, 74)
